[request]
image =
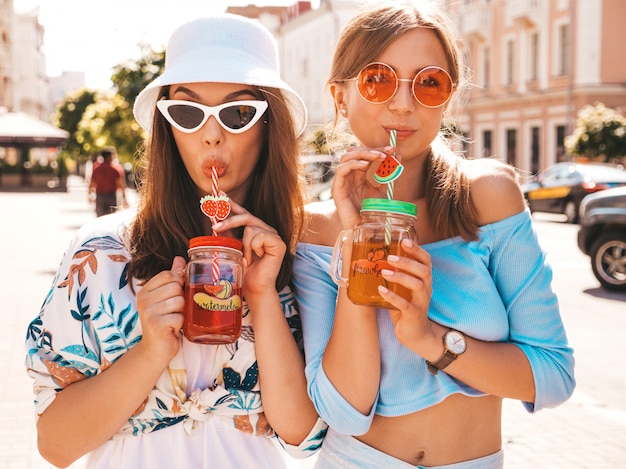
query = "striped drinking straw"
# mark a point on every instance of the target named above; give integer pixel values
(215, 265)
(390, 184)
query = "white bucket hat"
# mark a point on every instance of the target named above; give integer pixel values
(225, 48)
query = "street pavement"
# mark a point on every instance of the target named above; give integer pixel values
(36, 228)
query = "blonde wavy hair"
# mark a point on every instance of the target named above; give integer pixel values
(362, 40)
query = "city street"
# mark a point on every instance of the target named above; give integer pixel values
(589, 431)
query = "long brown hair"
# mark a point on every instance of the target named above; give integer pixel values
(169, 214)
(362, 41)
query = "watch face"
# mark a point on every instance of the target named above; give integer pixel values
(455, 342)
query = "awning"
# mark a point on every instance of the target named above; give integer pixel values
(20, 129)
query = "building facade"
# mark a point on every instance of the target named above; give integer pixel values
(535, 64)
(6, 54)
(307, 43)
(24, 85)
(31, 85)
(306, 39)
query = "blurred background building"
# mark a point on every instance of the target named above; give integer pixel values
(24, 84)
(535, 64)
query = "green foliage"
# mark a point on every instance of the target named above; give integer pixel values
(130, 77)
(600, 134)
(61, 166)
(317, 141)
(69, 116)
(98, 119)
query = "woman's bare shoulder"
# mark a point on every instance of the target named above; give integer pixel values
(322, 224)
(494, 189)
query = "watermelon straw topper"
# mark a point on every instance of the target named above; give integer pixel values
(390, 168)
(216, 206)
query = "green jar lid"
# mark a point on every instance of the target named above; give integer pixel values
(389, 205)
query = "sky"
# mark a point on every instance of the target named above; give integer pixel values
(95, 36)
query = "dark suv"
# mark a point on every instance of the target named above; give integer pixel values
(602, 236)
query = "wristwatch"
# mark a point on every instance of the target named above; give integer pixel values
(454, 345)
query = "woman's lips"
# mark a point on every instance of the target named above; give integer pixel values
(207, 169)
(404, 133)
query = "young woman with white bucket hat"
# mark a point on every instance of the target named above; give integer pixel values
(115, 378)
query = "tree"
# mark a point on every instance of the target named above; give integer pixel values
(98, 119)
(110, 122)
(118, 122)
(600, 134)
(130, 77)
(69, 116)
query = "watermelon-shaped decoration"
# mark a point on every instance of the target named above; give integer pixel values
(389, 170)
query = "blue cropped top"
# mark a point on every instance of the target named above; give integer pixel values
(497, 288)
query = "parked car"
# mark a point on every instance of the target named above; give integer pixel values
(561, 187)
(602, 236)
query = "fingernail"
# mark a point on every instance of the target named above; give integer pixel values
(382, 289)
(218, 225)
(393, 258)
(407, 243)
(387, 272)
(380, 154)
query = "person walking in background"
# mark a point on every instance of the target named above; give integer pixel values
(114, 376)
(421, 383)
(107, 182)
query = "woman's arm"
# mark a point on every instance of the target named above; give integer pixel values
(286, 404)
(281, 370)
(90, 411)
(536, 357)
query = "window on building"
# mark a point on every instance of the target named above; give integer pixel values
(564, 50)
(510, 62)
(561, 155)
(511, 146)
(487, 143)
(535, 135)
(534, 56)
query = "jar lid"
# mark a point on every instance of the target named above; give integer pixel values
(215, 241)
(389, 205)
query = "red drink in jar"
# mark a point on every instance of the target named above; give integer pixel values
(213, 290)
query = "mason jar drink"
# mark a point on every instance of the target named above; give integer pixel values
(384, 224)
(213, 290)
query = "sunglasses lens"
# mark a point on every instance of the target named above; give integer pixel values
(238, 116)
(432, 86)
(188, 117)
(377, 83)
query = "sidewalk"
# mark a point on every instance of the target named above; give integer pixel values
(35, 230)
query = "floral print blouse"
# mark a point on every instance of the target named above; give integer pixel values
(89, 319)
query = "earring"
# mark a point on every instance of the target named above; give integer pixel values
(344, 112)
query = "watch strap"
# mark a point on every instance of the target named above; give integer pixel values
(447, 358)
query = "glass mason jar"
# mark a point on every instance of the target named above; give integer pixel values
(384, 224)
(213, 290)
